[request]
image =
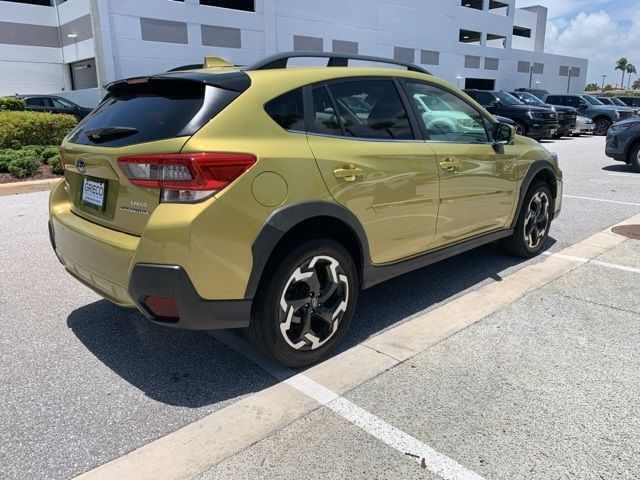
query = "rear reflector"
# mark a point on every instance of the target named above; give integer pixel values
(186, 172)
(162, 306)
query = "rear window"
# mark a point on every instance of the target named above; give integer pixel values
(287, 110)
(151, 111)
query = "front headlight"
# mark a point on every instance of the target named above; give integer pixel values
(616, 127)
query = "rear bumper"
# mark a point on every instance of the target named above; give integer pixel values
(194, 312)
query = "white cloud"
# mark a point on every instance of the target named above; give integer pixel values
(597, 37)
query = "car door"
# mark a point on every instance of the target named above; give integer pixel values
(477, 180)
(374, 164)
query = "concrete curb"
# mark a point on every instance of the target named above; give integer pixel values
(28, 186)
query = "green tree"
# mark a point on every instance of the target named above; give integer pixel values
(622, 64)
(608, 87)
(636, 84)
(592, 87)
(631, 69)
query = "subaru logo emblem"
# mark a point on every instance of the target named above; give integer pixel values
(81, 166)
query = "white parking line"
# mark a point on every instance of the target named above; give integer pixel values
(404, 443)
(596, 262)
(601, 200)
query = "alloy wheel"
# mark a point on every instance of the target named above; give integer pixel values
(602, 126)
(536, 221)
(313, 302)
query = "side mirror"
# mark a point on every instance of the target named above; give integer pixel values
(503, 134)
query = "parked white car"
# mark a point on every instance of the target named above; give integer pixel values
(583, 125)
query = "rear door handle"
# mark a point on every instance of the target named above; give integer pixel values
(450, 164)
(348, 173)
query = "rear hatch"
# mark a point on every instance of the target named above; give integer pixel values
(138, 116)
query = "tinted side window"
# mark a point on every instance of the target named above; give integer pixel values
(371, 109)
(446, 116)
(325, 120)
(287, 110)
(572, 101)
(484, 99)
(554, 100)
(35, 102)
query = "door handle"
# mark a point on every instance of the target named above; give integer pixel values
(450, 164)
(348, 173)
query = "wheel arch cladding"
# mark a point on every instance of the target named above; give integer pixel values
(314, 218)
(538, 170)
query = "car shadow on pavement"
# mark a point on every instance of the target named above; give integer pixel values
(192, 369)
(619, 167)
(175, 367)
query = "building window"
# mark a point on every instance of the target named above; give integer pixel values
(477, 4)
(404, 54)
(155, 30)
(496, 41)
(343, 46)
(471, 61)
(470, 37)
(564, 71)
(307, 44)
(428, 57)
(523, 67)
(245, 5)
(575, 72)
(44, 3)
(538, 68)
(522, 32)
(216, 36)
(499, 8)
(491, 63)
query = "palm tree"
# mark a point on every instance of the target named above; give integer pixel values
(622, 64)
(631, 69)
(636, 84)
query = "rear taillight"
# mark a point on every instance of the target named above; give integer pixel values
(164, 307)
(185, 177)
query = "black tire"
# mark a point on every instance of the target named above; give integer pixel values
(313, 329)
(521, 128)
(532, 224)
(602, 126)
(634, 157)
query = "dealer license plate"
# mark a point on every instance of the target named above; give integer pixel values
(94, 192)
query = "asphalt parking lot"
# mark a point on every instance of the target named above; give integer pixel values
(519, 370)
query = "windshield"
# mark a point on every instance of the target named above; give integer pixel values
(507, 99)
(530, 99)
(617, 101)
(592, 100)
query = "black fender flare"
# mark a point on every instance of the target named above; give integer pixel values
(284, 219)
(535, 168)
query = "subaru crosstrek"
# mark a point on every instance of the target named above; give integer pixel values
(267, 197)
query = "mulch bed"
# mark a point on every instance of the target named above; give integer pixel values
(43, 173)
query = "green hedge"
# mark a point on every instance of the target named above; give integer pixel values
(11, 103)
(26, 161)
(18, 129)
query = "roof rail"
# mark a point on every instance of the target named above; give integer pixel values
(279, 60)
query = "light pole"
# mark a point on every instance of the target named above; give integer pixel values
(530, 76)
(603, 77)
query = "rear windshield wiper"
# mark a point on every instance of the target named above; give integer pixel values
(98, 133)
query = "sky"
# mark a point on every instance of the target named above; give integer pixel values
(600, 30)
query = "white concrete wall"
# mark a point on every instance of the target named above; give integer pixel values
(378, 26)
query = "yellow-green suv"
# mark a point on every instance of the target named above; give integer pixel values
(266, 197)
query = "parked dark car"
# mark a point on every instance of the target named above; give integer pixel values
(54, 104)
(589, 106)
(566, 115)
(623, 142)
(619, 103)
(534, 91)
(534, 122)
(630, 101)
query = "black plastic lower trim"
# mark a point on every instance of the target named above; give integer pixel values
(374, 274)
(195, 312)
